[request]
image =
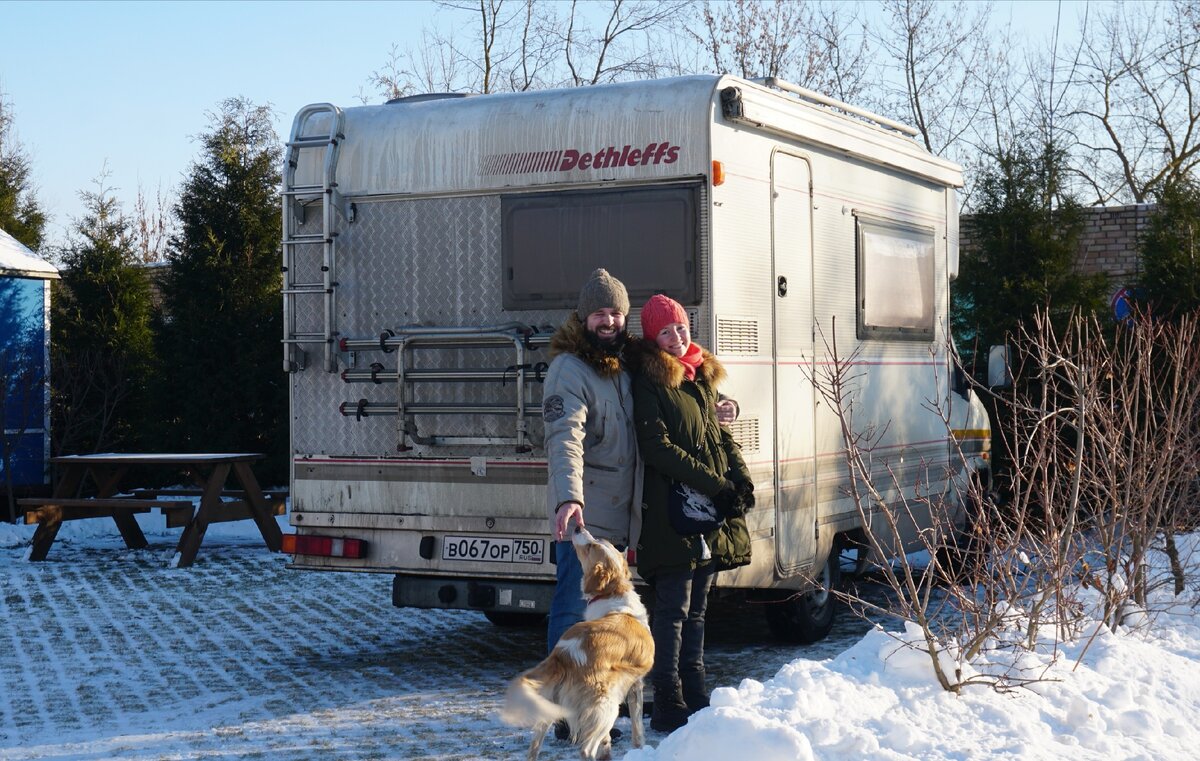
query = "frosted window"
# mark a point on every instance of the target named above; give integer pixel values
(895, 280)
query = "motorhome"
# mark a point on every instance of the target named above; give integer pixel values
(433, 244)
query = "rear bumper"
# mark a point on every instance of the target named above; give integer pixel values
(458, 593)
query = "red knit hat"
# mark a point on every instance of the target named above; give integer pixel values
(659, 312)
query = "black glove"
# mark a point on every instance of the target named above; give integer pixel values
(726, 502)
(745, 494)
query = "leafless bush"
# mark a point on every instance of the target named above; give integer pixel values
(1102, 430)
(1126, 409)
(958, 569)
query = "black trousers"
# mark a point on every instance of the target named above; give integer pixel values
(677, 626)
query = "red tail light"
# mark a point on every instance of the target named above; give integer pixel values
(324, 546)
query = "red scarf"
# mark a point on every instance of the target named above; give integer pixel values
(691, 359)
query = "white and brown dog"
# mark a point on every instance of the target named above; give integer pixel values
(597, 664)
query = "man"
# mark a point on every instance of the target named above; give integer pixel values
(591, 446)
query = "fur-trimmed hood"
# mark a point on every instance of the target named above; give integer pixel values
(644, 357)
(571, 338)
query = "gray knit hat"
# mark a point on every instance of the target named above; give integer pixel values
(602, 290)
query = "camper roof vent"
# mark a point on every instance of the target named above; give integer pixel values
(421, 98)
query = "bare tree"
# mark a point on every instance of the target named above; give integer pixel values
(152, 227)
(934, 51)
(1137, 118)
(518, 45)
(610, 51)
(821, 46)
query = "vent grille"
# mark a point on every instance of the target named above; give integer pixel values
(745, 433)
(737, 336)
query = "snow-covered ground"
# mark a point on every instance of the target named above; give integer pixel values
(109, 653)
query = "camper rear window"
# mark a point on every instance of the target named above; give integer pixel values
(646, 237)
(895, 279)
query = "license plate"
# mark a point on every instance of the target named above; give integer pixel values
(493, 549)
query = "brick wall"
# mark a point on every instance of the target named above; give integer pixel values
(1109, 243)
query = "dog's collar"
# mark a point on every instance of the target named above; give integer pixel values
(598, 598)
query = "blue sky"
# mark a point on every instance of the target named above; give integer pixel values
(130, 84)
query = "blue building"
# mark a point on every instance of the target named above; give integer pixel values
(24, 364)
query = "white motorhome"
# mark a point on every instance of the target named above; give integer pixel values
(433, 244)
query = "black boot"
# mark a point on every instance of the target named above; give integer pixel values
(694, 694)
(670, 712)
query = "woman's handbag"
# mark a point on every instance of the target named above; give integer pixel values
(690, 512)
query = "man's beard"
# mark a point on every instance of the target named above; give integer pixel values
(612, 347)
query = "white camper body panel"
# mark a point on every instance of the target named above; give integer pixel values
(446, 501)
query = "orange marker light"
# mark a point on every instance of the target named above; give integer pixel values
(718, 173)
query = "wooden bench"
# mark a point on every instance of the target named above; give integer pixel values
(210, 502)
(233, 503)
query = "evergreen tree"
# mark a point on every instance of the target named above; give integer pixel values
(101, 337)
(223, 389)
(1170, 278)
(20, 214)
(1025, 238)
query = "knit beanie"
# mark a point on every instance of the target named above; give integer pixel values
(659, 312)
(601, 291)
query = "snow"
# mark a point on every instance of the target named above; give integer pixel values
(1133, 693)
(17, 259)
(1129, 694)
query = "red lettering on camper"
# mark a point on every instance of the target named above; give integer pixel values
(571, 159)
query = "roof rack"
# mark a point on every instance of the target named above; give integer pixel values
(824, 100)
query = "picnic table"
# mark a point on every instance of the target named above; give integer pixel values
(209, 474)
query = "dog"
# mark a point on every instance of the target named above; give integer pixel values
(598, 663)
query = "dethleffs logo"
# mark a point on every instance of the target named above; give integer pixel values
(570, 159)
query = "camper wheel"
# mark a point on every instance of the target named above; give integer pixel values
(958, 554)
(806, 617)
(853, 551)
(509, 619)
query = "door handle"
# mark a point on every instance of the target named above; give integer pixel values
(781, 286)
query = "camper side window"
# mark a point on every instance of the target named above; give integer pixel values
(895, 279)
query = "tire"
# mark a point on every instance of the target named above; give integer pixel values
(853, 553)
(806, 617)
(509, 619)
(958, 556)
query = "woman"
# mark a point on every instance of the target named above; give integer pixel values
(681, 443)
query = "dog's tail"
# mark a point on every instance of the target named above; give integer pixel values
(524, 705)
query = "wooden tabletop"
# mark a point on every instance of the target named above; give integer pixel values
(157, 458)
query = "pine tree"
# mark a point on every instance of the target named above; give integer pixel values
(223, 389)
(21, 215)
(101, 338)
(1025, 239)
(1170, 279)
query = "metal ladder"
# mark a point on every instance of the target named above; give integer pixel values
(323, 244)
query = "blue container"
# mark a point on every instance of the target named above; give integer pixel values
(24, 363)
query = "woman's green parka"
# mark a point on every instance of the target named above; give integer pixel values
(679, 439)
